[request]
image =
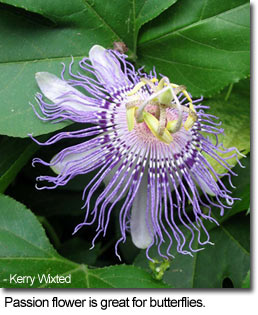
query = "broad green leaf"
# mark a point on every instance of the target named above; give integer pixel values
(25, 250)
(15, 153)
(95, 19)
(21, 235)
(18, 89)
(232, 257)
(234, 112)
(201, 44)
(56, 30)
(228, 258)
(77, 250)
(246, 282)
(68, 29)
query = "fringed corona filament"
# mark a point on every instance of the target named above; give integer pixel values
(163, 96)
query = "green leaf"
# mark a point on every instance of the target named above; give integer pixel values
(246, 282)
(15, 153)
(21, 235)
(68, 29)
(202, 44)
(19, 87)
(26, 251)
(228, 258)
(77, 249)
(234, 112)
(89, 16)
(178, 44)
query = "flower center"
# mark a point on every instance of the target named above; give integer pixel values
(154, 110)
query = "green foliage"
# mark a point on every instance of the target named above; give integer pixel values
(71, 28)
(178, 43)
(203, 44)
(25, 250)
(234, 110)
(229, 258)
(13, 160)
(246, 282)
(208, 268)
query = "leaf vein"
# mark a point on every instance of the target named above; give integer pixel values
(191, 25)
(102, 20)
(26, 241)
(213, 47)
(234, 23)
(188, 65)
(235, 240)
(141, 8)
(203, 9)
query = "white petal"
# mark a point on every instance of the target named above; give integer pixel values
(140, 230)
(53, 87)
(57, 90)
(70, 157)
(108, 70)
(203, 185)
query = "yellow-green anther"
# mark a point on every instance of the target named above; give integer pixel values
(172, 126)
(137, 87)
(153, 124)
(130, 118)
(191, 119)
